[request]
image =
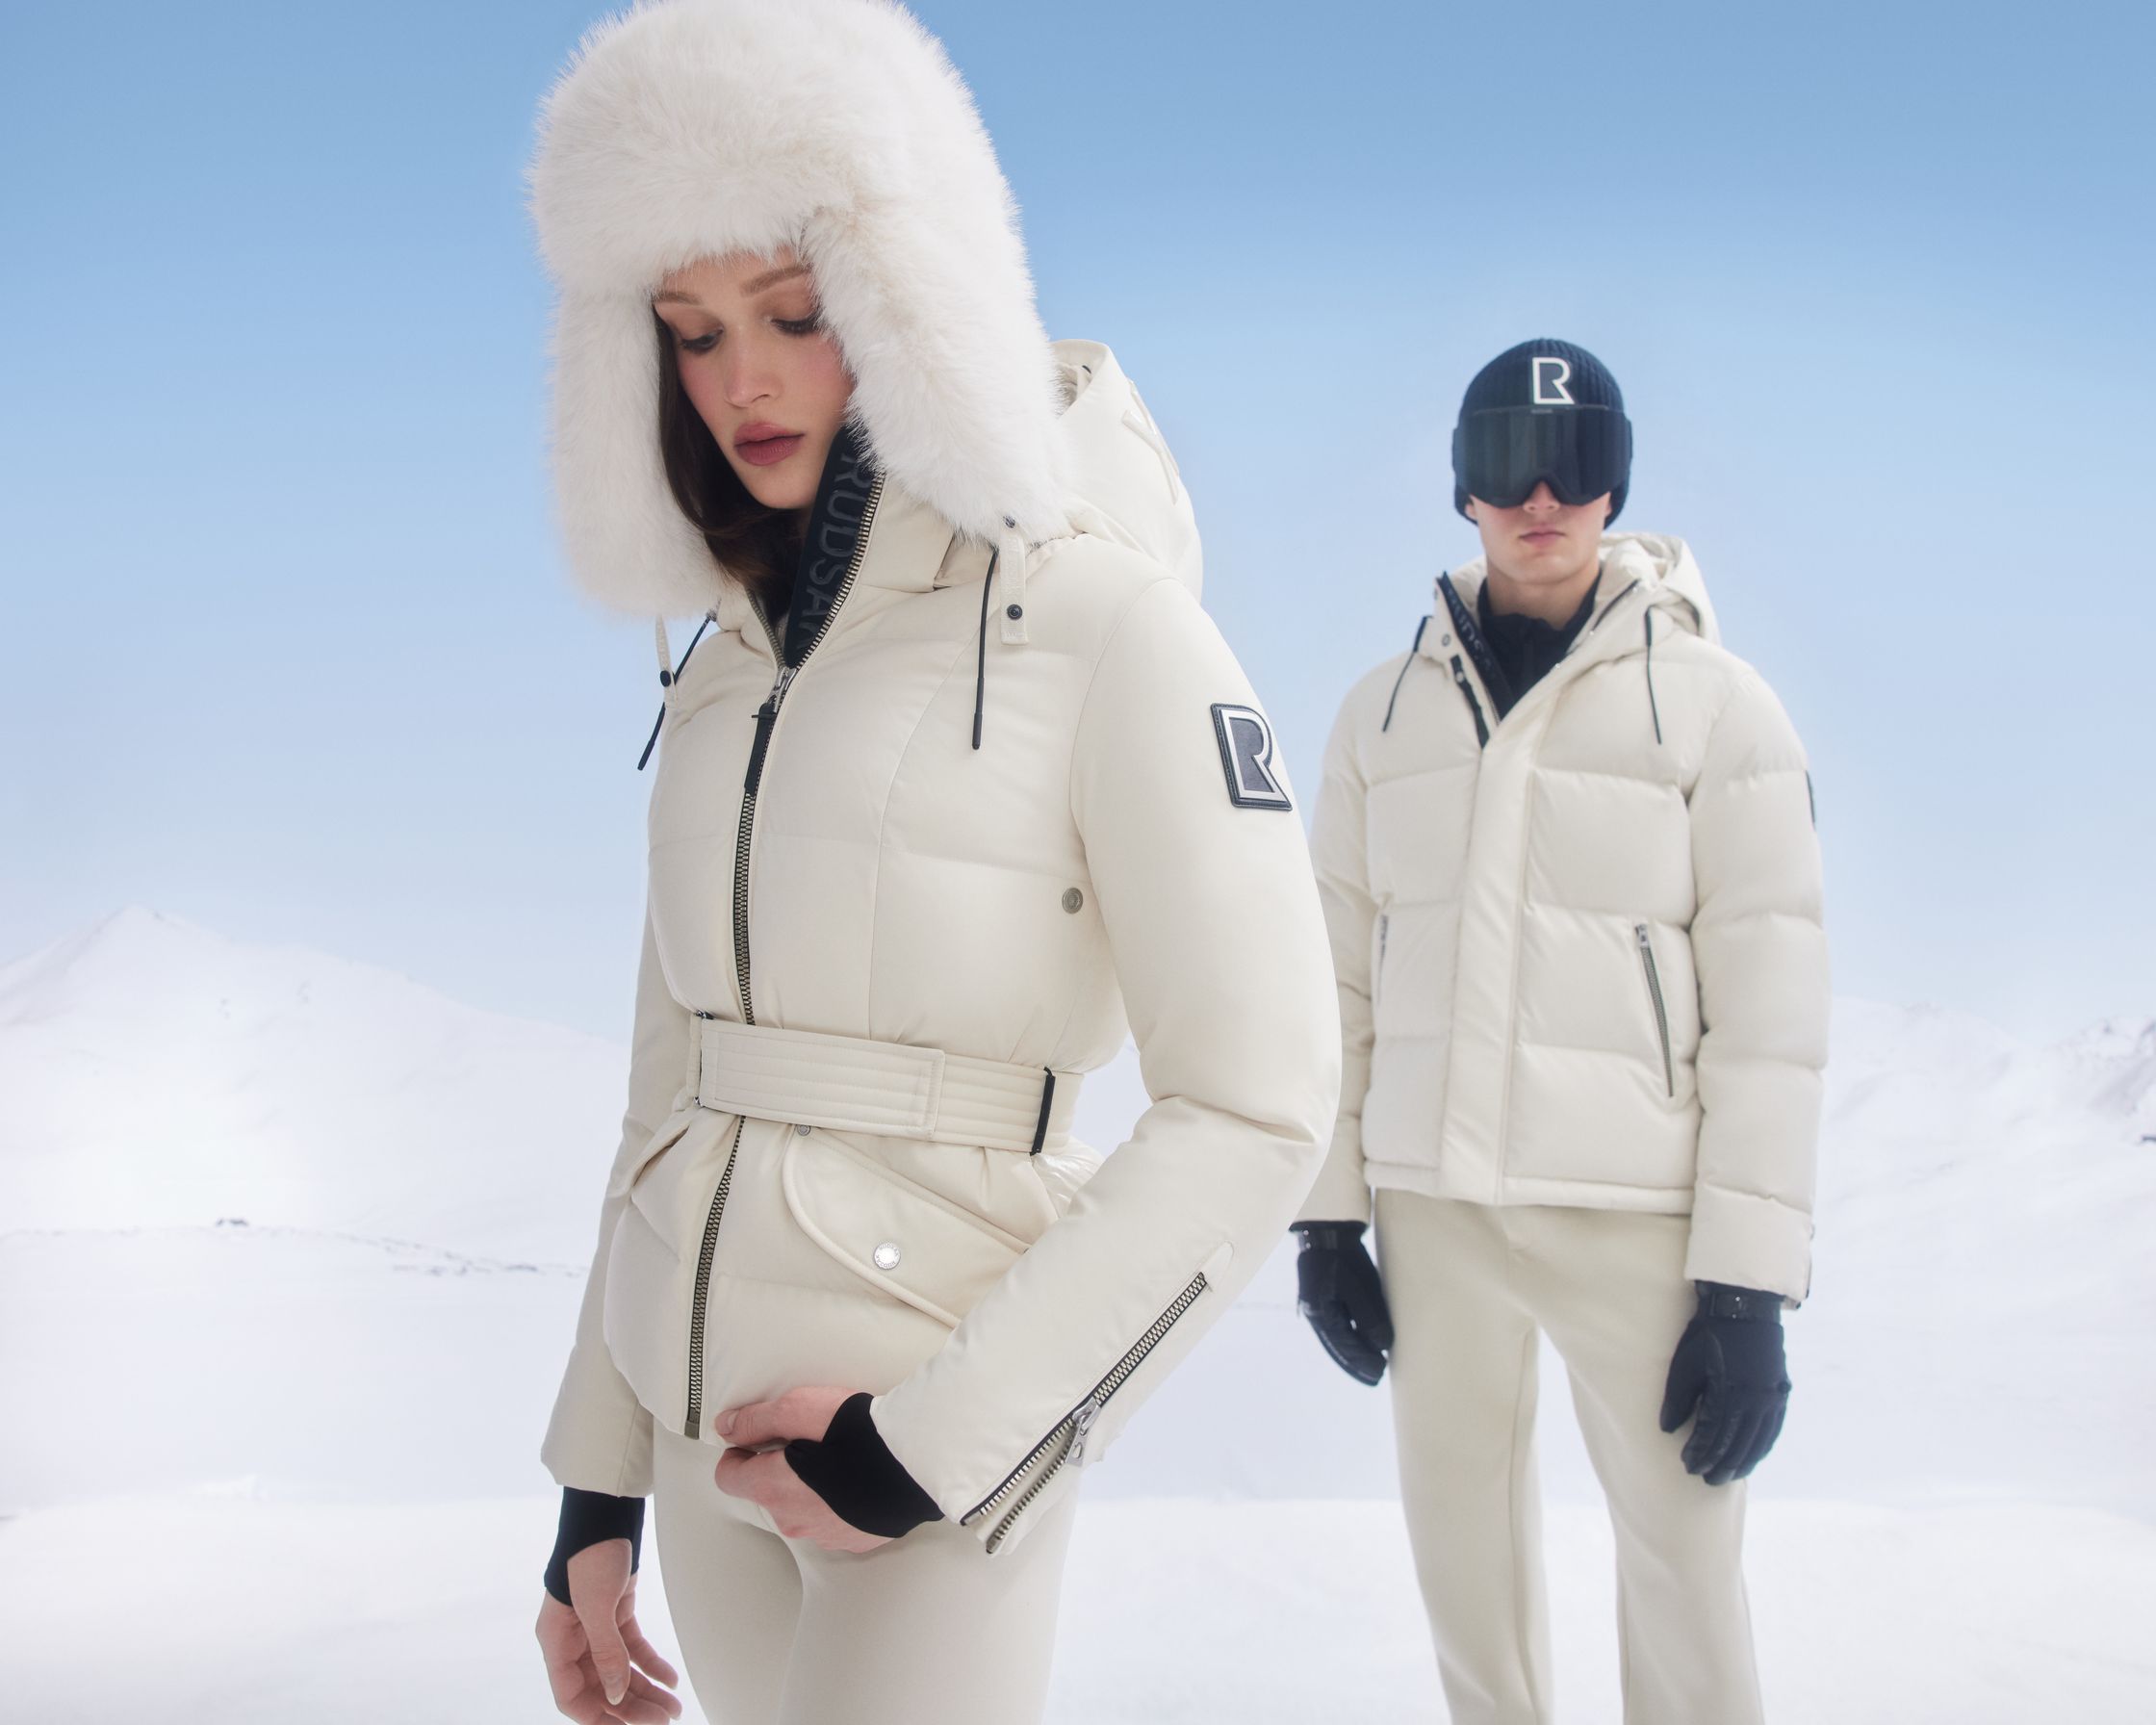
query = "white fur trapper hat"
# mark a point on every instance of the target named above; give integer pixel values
(685, 129)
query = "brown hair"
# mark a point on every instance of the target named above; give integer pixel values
(756, 545)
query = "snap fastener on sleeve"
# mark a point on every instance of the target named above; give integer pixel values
(1073, 900)
(801, 1131)
(887, 1255)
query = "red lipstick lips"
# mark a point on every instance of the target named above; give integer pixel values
(761, 444)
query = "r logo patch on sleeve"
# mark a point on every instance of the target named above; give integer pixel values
(1247, 758)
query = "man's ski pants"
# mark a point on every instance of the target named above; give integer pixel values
(1469, 1286)
(928, 1629)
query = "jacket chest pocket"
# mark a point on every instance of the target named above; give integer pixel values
(1658, 1004)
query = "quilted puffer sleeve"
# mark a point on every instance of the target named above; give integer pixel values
(600, 1437)
(1759, 947)
(1339, 853)
(1219, 943)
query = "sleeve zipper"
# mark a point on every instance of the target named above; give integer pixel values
(1066, 1441)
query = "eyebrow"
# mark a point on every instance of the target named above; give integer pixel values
(770, 278)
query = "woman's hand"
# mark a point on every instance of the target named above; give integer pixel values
(589, 1649)
(749, 1469)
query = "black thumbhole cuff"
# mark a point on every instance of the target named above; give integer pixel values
(588, 1518)
(853, 1470)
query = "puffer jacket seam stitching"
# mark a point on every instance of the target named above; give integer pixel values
(1092, 682)
(884, 820)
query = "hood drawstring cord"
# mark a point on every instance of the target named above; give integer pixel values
(1414, 648)
(1005, 580)
(1651, 706)
(668, 671)
(980, 653)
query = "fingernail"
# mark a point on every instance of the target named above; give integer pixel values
(725, 1424)
(614, 1693)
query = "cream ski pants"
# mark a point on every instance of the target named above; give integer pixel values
(1471, 1286)
(926, 1631)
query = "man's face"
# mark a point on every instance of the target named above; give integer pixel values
(1542, 542)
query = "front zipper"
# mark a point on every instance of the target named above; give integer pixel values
(693, 1424)
(1066, 1441)
(1661, 1013)
(1467, 688)
(767, 721)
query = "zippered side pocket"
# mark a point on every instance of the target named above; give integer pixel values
(1066, 1441)
(1654, 997)
(692, 1424)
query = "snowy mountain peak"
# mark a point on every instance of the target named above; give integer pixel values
(156, 1074)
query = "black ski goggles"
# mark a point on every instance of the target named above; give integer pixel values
(1499, 454)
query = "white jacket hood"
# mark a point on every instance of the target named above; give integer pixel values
(1662, 563)
(1120, 480)
(698, 128)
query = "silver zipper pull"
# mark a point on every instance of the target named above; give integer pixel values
(1082, 1418)
(785, 679)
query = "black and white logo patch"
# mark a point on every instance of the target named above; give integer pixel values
(1551, 375)
(1247, 758)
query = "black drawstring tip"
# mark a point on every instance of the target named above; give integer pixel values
(1047, 1099)
(976, 728)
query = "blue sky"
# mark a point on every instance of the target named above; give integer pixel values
(285, 642)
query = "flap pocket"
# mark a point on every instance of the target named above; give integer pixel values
(913, 1244)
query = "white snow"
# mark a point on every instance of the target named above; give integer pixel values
(286, 1466)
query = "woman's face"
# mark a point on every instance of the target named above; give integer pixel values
(759, 368)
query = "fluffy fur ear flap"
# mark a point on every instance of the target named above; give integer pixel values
(695, 128)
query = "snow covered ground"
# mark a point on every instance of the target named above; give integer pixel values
(289, 1249)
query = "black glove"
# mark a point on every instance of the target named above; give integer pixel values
(1338, 1290)
(1730, 1366)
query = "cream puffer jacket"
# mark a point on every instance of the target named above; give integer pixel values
(1009, 795)
(1579, 949)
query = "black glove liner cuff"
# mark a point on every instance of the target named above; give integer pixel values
(588, 1518)
(853, 1471)
(1747, 1305)
(1327, 1236)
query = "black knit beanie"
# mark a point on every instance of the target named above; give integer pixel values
(1548, 373)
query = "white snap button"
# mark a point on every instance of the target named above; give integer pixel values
(887, 1255)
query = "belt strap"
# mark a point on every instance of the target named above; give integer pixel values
(855, 1084)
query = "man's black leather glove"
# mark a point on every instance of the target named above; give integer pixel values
(1730, 1367)
(1338, 1290)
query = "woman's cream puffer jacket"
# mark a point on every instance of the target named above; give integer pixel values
(904, 894)
(1581, 963)
(1007, 904)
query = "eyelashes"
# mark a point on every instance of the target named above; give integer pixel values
(794, 326)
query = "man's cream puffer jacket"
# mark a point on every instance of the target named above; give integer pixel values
(1582, 964)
